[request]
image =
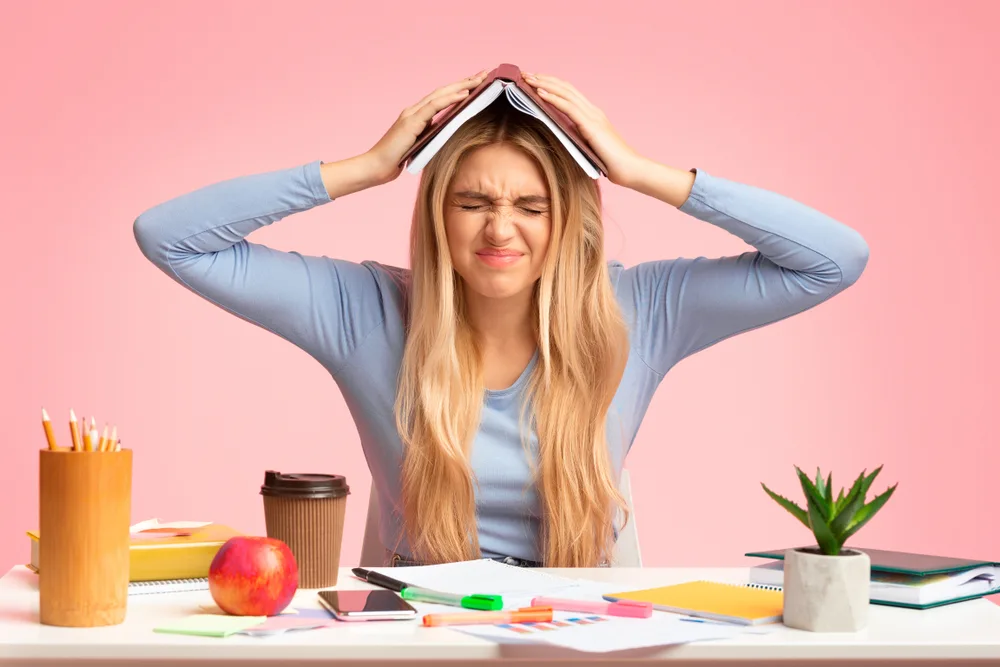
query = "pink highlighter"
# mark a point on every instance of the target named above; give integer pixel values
(626, 608)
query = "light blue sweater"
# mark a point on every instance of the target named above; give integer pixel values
(348, 316)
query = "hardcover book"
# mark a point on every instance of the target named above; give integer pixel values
(505, 81)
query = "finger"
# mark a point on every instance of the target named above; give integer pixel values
(468, 83)
(567, 106)
(562, 83)
(428, 110)
(562, 88)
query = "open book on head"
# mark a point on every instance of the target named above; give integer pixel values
(504, 81)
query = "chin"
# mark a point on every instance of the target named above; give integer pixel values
(498, 287)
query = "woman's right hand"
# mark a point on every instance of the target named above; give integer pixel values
(385, 156)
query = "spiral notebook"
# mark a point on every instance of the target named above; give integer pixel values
(743, 604)
(167, 586)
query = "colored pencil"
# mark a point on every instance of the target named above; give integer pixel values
(50, 437)
(74, 431)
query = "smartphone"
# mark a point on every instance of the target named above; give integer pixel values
(379, 604)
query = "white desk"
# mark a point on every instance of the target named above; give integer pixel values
(968, 632)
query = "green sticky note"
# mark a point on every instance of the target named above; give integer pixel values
(210, 625)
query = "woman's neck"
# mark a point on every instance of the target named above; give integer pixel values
(502, 324)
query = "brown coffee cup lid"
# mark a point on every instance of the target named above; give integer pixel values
(300, 485)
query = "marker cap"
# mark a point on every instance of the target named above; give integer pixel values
(483, 602)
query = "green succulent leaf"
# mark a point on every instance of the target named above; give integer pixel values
(867, 483)
(813, 494)
(825, 538)
(854, 501)
(865, 514)
(832, 521)
(829, 494)
(852, 492)
(789, 505)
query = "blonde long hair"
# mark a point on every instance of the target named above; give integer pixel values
(582, 346)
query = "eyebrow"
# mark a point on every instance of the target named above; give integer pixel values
(525, 199)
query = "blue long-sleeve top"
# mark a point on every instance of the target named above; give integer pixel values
(349, 316)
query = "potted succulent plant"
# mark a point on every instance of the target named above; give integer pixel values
(826, 587)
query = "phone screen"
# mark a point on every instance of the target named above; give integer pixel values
(378, 603)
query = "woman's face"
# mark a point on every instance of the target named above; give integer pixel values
(497, 221)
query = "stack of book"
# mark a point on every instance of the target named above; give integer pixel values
(164, 558)
(901, 579)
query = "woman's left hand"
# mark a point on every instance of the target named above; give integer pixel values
(622, 161)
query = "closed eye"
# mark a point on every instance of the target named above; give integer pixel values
(479, 207)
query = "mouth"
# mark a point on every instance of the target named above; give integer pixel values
(497, 257)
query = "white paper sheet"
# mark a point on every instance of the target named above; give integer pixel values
(606, 635)
(149, 524)
(517, 585)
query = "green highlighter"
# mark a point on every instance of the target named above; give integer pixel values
(480, 602)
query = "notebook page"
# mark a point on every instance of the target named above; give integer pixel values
(525, 104)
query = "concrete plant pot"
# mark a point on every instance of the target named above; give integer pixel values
(826, 593)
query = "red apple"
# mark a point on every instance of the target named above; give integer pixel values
(253, 576)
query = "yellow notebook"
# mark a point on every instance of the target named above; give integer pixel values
(733, 603)
(165, 558)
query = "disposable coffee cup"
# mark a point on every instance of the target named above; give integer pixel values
(306, 512)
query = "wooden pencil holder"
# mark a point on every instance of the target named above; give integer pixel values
(84, 510)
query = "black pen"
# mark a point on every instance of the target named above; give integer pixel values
(380, 579)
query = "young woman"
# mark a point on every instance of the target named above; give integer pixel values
(498, 384)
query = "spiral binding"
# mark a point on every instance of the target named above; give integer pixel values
(765, 587)
(167, 586)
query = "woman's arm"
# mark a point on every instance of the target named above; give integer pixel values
(324, 306)
(801, 258)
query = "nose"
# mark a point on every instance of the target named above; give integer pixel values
(500, 225)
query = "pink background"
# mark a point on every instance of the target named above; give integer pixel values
(876, 113)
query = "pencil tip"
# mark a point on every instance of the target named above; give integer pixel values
(72, 415)
(45, 415)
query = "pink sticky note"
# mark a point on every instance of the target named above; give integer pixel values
(279, 624)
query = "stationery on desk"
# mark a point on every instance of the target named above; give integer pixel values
(515, 585)
(89, 440)
(224, 625)
(526, 615)
(210, 625)
(623, 608)
(539, 607)
(903, 579)
(730, 603)
(569, 613)
(421, 594)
